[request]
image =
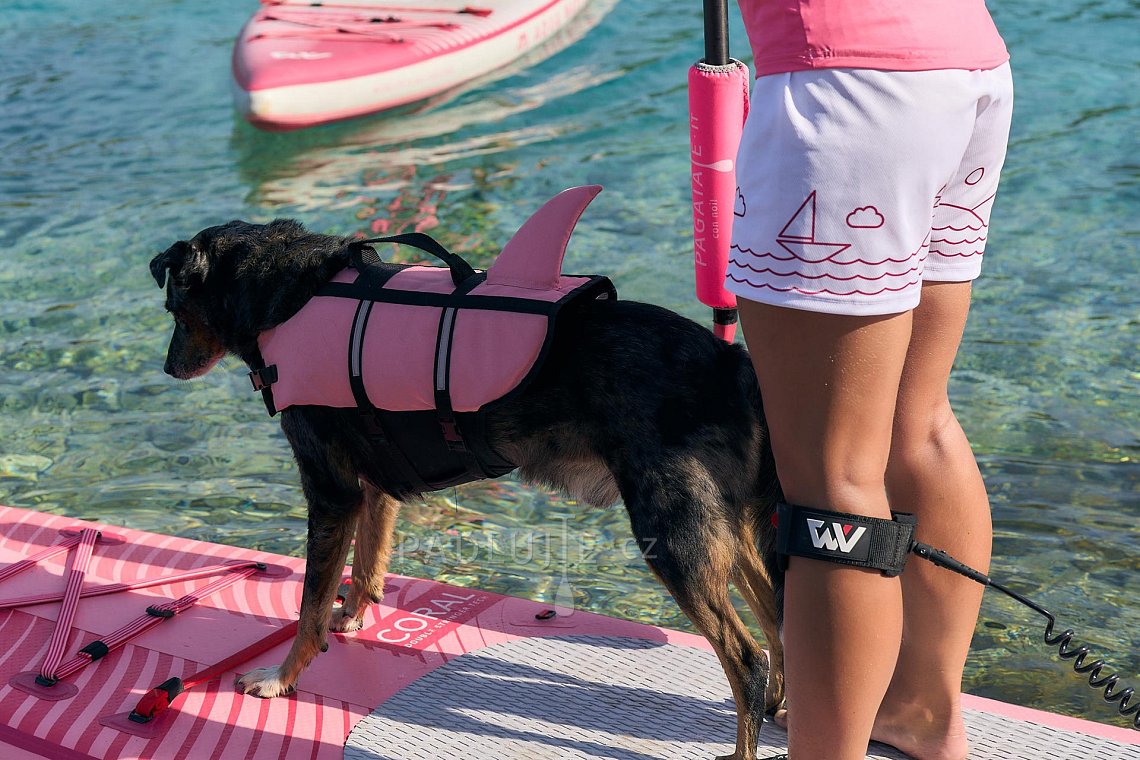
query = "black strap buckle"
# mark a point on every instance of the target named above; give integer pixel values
(159, 612)
(451, 435)
(264, 377)
(95, 650)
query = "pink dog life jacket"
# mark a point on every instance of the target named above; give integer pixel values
(426, 351)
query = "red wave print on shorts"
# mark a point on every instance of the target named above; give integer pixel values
(970, 241)
(793, 257)
(948, 255)
(796, 273)
(828, 291)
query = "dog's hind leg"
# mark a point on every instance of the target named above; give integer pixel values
(753, 583)
(690, 545)
(374, 529)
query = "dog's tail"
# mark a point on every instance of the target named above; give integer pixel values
(758, 533)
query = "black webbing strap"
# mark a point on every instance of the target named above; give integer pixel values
(358, 292)
(444, 344)
(461, 271)
(844, 538)
(263, 378)
(374, 421)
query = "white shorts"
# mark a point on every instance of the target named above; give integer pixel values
(856, 185)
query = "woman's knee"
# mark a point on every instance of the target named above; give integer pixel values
(854, 484)
(928, 441)
(923, 430)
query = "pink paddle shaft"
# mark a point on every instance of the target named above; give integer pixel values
(718, 105)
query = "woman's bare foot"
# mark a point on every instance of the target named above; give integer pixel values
(913, 731)
(918, 732)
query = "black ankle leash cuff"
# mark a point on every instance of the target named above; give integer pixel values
(844, 538)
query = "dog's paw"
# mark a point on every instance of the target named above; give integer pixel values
(343, 622)
(264, 682)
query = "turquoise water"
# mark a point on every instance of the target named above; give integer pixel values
(117, 137)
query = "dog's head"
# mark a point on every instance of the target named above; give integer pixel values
(228, 283)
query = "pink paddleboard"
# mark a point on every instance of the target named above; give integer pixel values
(437, 671)
(298, 63)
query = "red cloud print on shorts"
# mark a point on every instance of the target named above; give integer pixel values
(867, 217)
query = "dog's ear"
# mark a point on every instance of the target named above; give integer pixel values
(172, 258)
(182, 261)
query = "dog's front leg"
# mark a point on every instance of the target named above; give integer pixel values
(330, 534)
(374, 529)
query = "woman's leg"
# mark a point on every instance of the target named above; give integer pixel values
(932, 473)
(830, 384)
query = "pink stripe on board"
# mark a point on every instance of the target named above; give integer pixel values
(119, 744)
(17, 704)
(112, 588)
(39, 746)
(18, 567)
(221, 749)
(262, 720)
(318, 725)
(117, 692)
(1063, 722)
(9, 535)
(351, 715)
(244, 735)
(202, 719)
(290, 727)
(96, 688)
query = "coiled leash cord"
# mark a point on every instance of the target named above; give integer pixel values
(884, 545)
(1062, 641)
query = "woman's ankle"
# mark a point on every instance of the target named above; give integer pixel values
(922, 730)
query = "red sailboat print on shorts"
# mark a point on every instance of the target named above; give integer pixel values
(811, 266)
(798, 236)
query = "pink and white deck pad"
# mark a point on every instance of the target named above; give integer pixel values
(437, 671)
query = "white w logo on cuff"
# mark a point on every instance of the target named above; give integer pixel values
(838, 537)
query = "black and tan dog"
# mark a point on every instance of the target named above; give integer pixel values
(634, 403)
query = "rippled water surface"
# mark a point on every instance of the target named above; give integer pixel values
(118, 137)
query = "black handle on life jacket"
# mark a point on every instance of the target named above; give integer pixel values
(460, 269)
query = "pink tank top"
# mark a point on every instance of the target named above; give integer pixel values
(898, 35)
